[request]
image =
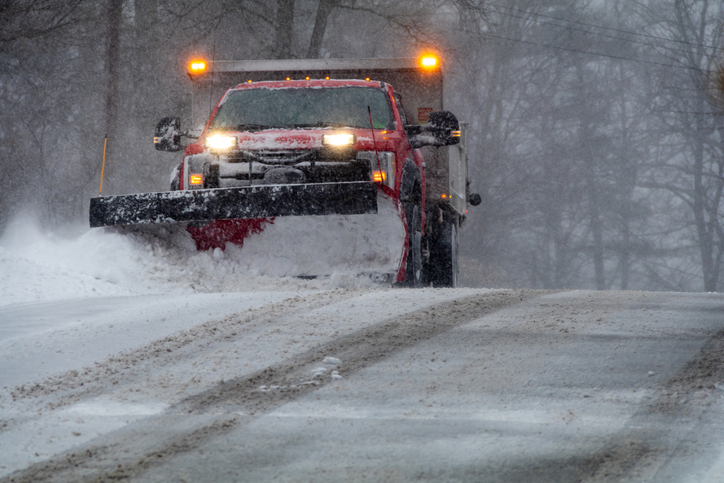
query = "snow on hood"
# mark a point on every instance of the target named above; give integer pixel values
(297, 138)
(280, 139)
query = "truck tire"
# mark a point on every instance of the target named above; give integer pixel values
(413, 265)
(443, 269)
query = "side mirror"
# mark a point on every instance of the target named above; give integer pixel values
(168, 134)
(443, 129)
(447, 127)
(474, 199)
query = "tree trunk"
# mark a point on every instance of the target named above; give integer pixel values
(585, 138)
(324, 9)
(285, 28)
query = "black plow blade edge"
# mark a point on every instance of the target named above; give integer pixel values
(353, 198)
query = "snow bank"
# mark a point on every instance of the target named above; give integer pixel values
(38, 266)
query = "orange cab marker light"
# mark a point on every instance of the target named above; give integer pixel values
(306, 78)
(367, 79)
(444, 196)
(327, 77)
(249, 81)
(429, 61)
(196, 179)
(197, 66)
(289, 78)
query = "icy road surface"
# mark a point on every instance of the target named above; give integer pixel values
(136, 371)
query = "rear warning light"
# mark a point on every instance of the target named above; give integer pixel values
(196, 179)
(379, 177)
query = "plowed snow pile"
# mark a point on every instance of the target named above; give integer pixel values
(35, 266)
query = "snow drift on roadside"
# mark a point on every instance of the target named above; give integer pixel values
(35, 266)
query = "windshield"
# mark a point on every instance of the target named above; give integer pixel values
(303, 107)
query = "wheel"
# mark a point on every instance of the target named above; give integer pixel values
(413, 266)
(444, 255)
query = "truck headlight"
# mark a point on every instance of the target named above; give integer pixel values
(221, 142)
(338, 139)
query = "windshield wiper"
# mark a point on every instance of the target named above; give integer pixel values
(256, 127)
(322, 124)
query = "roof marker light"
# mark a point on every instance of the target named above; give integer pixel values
(289, 78)
(197, 66)
(306, 78)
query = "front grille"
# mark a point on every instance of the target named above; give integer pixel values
(276, 157)
(291, 157)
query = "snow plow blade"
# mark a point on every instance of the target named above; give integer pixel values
(266, 201)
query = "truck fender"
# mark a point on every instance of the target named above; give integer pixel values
(410, 178)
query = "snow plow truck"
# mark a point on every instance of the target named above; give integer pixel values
(313, 167)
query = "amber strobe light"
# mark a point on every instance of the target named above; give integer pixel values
(429, 61)
(197, 66)
(196, 179)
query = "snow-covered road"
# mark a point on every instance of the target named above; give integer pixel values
(170, 379)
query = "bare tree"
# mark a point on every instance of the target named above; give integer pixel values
(324, 9)
(693, 126)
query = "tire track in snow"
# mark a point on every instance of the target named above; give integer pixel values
(130, 372)
(128, 453)
(290, 379)
(678, 413)
(72, 385)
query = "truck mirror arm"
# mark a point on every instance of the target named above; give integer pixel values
(430, 135)
(168, 134)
